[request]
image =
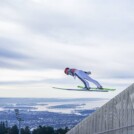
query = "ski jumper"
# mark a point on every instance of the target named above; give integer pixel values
(83, 76)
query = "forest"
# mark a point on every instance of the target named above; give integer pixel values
(4, 129)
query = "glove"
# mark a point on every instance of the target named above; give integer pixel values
(88, 72)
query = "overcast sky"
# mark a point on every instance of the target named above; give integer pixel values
(39, 38)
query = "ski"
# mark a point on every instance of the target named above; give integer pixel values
(102, 89)
(90, 90)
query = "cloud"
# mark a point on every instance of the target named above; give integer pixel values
(51, 35)
(11, 54)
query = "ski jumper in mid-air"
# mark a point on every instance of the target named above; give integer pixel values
(83, 76)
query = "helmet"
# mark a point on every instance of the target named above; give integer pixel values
(66, 69)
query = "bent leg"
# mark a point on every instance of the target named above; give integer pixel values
(84, 81)
(94, 81)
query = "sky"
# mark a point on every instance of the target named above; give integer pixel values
(39, 38)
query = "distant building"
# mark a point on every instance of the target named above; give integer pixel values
(115, 117)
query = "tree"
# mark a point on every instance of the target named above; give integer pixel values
(48, 130)
(61, 131)
(22, 131)
(3, 129)
(44, 130)
(14, 130)
(27, 130)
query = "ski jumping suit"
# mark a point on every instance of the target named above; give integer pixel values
(83, 76)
